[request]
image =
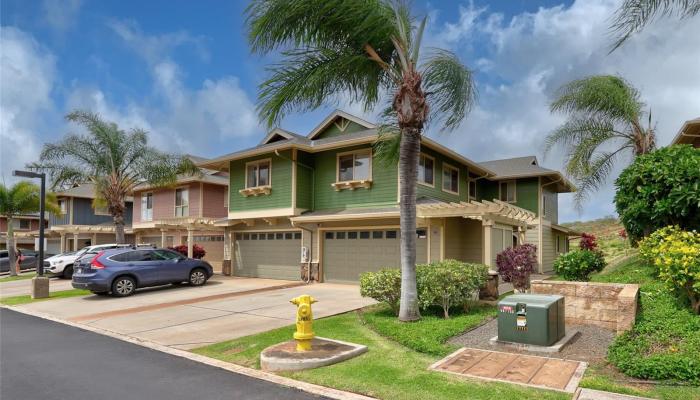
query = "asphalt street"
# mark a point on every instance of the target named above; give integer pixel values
(41, 359)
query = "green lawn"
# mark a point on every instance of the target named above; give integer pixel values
(17, 277)
(388, 370)
(24, 299)
(666, 337)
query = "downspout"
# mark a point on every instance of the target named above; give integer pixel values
(313, 177)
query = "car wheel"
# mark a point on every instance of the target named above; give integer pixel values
(68, 272)
(123, 286)
(198, 277)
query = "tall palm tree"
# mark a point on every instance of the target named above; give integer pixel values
(604, 122)
(113, 160)
(633, 15)
(20, 199)
(363, 51)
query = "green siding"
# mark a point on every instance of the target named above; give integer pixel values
(437, 192)
(383, 191)
(333, 130)
(486, 190)
(526, 192)
(281, 179)
(305, 178)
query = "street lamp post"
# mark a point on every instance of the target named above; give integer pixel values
(40, 283)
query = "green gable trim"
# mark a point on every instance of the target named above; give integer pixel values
(333, 130)
(281, 179)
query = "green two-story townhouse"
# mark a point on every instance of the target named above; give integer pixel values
(325, 203)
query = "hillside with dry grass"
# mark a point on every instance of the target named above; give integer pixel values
(607, 231)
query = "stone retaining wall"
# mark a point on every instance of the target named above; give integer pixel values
(608, 305)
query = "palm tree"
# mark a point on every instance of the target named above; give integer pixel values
(633, 15)
(364, 51)
(113, 160)
(22, 198)
(604, 121)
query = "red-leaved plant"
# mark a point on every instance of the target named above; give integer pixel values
(197, 250)
(588, 242)
(622, 234)
(515, 264)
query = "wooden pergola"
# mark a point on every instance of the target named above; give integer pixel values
(496, 210)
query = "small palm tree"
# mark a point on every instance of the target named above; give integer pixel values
(633, 15)
(22, 198)
(604, 122)
(113, 160)
(362, 50)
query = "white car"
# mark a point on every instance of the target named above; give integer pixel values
(62, 264)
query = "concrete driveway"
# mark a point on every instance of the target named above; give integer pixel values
(186, 317)
(24, 286)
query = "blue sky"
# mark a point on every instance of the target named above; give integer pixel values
(184, 72)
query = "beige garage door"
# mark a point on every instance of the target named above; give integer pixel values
(214, 247)
(273, 255)
(346, 254)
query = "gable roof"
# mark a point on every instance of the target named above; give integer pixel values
(83, 191)
(331, 119)
(279, 134)
(689, 133)
(525, 167)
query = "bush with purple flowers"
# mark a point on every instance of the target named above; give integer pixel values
(515, 264)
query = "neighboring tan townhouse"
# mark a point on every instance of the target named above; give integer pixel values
(689, 133)
(24, 227)
(324, 202)
(184, 214)
(80, 223)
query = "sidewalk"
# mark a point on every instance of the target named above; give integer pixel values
(591, 394)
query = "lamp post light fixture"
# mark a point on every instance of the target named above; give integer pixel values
(40, 283)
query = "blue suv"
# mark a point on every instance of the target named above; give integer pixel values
(122, 271)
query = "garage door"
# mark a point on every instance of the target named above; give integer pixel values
(346, 254)
(214, 247)
(273, 255)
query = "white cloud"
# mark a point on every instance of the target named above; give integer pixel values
(27, 73)
(529, 56)
(61, 15)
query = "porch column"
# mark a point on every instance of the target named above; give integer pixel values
(137, 238)
(521, 234)
(488, 246)
(63, 243)
(94, 239)
(190, 242)
(75, 242)
(226, 265)
(163, 238)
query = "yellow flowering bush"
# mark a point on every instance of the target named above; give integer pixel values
(676, 255)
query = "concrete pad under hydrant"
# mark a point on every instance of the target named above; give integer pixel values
(285, 357)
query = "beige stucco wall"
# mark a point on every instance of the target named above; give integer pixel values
(463, 239)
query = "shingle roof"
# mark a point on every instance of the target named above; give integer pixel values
(517, 167)
(86, 190)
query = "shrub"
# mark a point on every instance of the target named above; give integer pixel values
(578, 265)
(659, 189)
(515, 264)
(676, 255)
(198, 251)
(383, 286)
(449, 283)
(588, 242)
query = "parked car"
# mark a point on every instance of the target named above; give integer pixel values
(28, 261)
(122, 271)
(62, 264)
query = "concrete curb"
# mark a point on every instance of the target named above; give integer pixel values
(254, 373)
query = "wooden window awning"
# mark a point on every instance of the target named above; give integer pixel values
(352, 185)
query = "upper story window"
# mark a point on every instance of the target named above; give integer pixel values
(102, 210)
(450, 179)
(472, 189)
(146, 206)
(426, 170)
(355, 166)
(63, 205)
(507, 191)
(258, 173)
(22, 224)
(182, 202)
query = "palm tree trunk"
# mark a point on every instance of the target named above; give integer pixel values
(119, 227)
(11, 246)
(408, 172)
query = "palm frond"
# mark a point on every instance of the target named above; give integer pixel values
(450, 88)
(576, 129)
(388, 143)
(633, 15)
(597, 174)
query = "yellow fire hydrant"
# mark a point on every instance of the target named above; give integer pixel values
(304, 333)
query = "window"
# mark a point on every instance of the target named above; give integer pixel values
(558, 244)
(472, 189)
(340, 235)
(421, 233)
(62, 204)
(364, 235)
(391, 235)
(329, 235)
(355, 166)
(352, 235)
(426, 170)
(182, 202)
(279, 236)
(297, 235)
(167, 255)
(253, 236)
(102, 210)
(507, 191)
(450, 179)
(288, 236)
(270, 236)
(258, 174)
(377, 234)
(544, 207)
(22, 224)
(147, 206)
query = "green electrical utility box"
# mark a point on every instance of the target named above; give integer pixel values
(531, 319)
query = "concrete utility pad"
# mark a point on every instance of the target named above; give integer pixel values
(285, 357)
(542, 372)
